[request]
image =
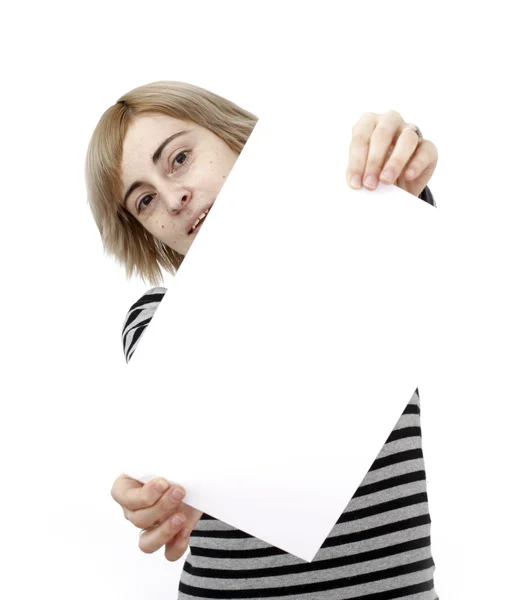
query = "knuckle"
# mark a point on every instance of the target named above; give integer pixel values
(358, 138)
(114, 492)
(383, 132)
(138, 521)
(394, 113)
(419, 162)
(410, 134)
(373, 164)
(432, 147)
(363, 118)
(397, 168)
(395, 162)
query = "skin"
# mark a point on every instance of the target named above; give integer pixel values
(192, 171)
(189, 177)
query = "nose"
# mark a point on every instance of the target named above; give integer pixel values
(175, 201)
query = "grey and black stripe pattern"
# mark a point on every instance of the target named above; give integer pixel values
(138, 317)
(379, 549)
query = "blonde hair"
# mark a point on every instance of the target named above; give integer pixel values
(122, 234)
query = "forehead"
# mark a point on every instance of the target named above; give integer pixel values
(146, 130)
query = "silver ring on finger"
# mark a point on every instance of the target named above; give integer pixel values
(148, 529)
(416, 130)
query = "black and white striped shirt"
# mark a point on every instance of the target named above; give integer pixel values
(379, 549)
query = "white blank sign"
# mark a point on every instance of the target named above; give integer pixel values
(289, 342)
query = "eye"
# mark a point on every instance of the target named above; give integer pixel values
(142, 205)
(185, 154)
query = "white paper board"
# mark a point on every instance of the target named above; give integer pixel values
(288, 344)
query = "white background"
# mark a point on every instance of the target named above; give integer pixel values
(441, 65)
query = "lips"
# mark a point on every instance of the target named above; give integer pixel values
(198, 226)
(193, 220)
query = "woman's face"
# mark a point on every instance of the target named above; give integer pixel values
(172, 171)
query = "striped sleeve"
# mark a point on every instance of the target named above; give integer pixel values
(138, 317)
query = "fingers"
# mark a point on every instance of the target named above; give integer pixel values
(373, 137)
(168, 504)
(360, 144)
(383, 148)
(179, 545)
(168, 533)
(385, 132)
(158, 513)
(425, 157)
(133, 495)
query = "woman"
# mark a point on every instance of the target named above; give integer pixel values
(156, 163)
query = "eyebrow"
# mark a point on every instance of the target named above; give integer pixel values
(155, 158)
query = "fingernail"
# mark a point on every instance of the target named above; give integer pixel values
(161, 485)
(177, 494)
(356, 181)
(388, 175)
(177, 521)
(370, 181)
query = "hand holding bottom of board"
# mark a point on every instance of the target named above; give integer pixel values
(156, 507)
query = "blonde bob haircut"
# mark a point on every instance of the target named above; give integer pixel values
(122, 235)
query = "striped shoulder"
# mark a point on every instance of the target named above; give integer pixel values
(138, 317)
